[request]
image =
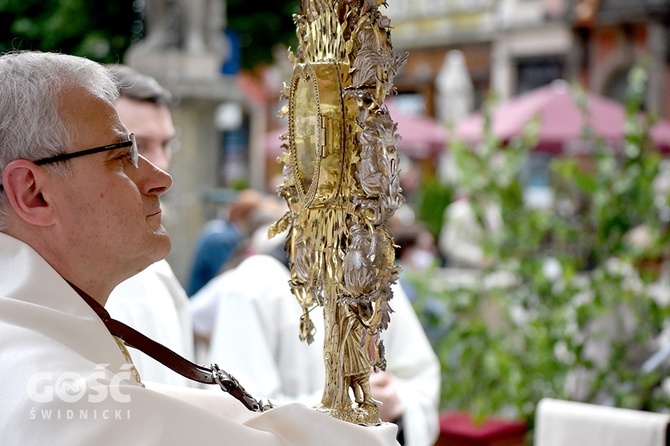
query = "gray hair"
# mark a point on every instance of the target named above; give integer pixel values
(140, 87)
(31, 84)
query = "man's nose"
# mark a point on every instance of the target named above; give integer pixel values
(154, 180)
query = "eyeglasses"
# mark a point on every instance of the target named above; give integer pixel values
(134, 154)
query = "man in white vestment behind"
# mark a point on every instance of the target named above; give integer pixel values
(79, 214)
(152, 301)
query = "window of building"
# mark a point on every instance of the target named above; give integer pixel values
(534, 72)
(617, 85)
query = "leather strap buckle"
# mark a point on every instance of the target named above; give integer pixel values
(229, 384)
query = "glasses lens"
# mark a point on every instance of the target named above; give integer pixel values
(134, 152)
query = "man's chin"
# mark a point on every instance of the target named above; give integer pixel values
(158, 247)
(163, 245)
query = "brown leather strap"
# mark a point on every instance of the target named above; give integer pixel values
(170, 359)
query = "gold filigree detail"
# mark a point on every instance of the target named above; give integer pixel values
(341, 182)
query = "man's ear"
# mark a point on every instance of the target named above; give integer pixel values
(23, 182)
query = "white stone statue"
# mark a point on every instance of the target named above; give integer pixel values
(454, 89)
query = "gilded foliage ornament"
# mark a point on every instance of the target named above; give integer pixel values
(341, 182)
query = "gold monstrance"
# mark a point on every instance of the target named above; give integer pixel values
(341, 183)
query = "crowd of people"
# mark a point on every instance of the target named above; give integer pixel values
(85, 282)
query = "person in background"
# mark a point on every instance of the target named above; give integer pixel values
(152, 301)
(463, 231)
(417, 254)
(416, 249)
(203, 307)
(80, 213)
(220, 238)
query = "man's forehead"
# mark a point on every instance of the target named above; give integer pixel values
(86, 112)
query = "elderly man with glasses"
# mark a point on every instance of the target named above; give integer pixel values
(74, 223)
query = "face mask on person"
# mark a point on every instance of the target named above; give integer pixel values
(420, 258)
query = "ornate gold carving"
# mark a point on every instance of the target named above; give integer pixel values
(341, 182)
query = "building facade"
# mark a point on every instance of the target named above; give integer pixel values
(512, 46)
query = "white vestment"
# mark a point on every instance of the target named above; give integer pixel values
(154, 303)
(64, 380)
(253, 319)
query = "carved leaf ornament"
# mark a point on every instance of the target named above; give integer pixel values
(341, 183)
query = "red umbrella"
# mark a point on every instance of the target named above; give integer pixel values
(562, 122)
(422, 136)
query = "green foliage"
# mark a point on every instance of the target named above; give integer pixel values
(101, 31)
(261, 28)
(569, 298)
(434, 196)
(104, 30)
